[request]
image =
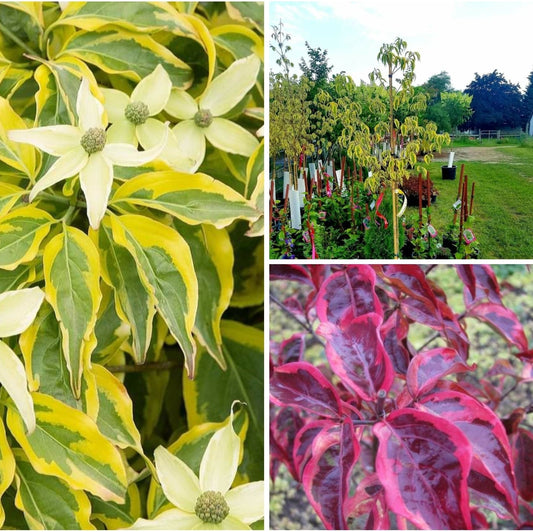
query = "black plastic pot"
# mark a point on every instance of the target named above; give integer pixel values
(448, 172)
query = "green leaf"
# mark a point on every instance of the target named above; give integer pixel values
(114, 515)
(115, 413)
(110, 330)
(248, 277)
(193, 199)
(207, 396)
(49, 503)
(21, 234)
(132, 55)
(212, 255)
(72, 275)
(7, 466)
(66, 443)
(135, 303)
(11, 79)
(165, 265)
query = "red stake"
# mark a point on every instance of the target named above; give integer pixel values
(420, 199)
(466, 198)
(472, 197)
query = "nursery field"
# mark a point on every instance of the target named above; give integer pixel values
(503, 202)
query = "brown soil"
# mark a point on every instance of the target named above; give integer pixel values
(488, 154)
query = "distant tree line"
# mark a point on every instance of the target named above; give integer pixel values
(488, 102)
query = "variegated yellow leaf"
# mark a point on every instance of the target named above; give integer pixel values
(239, 41)
(21, 234)
(116, 516)
(18, 156)
(146, 17)
(213, 262)
(165, 265)
(72, 285)
(194, 198)
(67, 444)
(9, 195)
(133, 55)
(134, 302)
(49, 503)
(115, 414)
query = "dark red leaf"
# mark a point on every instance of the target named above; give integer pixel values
(427, 368)
(357, 355)
(326, 477)
(522, 450)
(486, 434)
(394, 334)
(301, 385)
(503, 321)
(284, 425)
(525, 355)
(349, 292)
(480, 282)
(291, 272)
(423, 463)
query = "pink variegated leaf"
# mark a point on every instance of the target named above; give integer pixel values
(301, 385)
(423, 463)
(348, 293)
(394, 334)
(487, 436)
(357, 355)
(522, 450)
(503, 321)
(369, 499)
(326, 477)
(428, 367)
(290, 272)
(303, 443)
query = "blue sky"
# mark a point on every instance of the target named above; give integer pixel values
(461, 37)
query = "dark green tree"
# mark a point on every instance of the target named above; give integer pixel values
(436, 85)
(318, 69)
(496, 102)
(528, 99)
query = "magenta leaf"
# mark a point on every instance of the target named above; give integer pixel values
(423, 463)
(503, 321)
(301, 385)
(522, 449)
(290, 272)
(427, 368)
(487, 436)
(348, 292)
(326, 477)
(357, 355)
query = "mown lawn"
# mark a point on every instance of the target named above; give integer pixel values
(503, 204)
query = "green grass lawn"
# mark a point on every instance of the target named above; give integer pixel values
(503, 204)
